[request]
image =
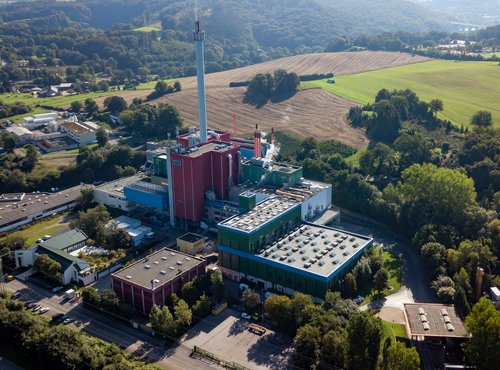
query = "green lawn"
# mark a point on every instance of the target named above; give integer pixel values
(35, 231)
(490, 55)
(353, 160)
(56, 101)
(393, 330)
(393, 266)
(147, 29)
(464, 87)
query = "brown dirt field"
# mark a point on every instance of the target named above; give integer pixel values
(312, 112)
(309, 113)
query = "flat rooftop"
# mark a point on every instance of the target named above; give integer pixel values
(162, 266)
(116, 186)
(208, 147)
(34, 204)
(315, 249)
(299, 192)
(264, 212)
(190, 237)
(78, 127)
(434, 320)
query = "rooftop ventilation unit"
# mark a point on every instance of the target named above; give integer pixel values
(187, 259)
(179, 263)
(156, 281)
(307, 265)
(305, 258)
(426, 326)
(147, 267)
(423, 318)
(450, 327)
(128, 277)
(156, 262)
(444, 312)
(313, 260)
(163, 272)
(172, 268)
(447, 319)
(164, 258)
(421, 311)
(336, 262)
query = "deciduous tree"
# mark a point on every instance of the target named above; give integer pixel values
(483, 346)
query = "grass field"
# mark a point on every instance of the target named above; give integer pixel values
(393, 330)
(464, 87)
(147, 29)
(35, 231)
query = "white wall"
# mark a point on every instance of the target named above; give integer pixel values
(27, 257)
(111, 200)
(322, 199)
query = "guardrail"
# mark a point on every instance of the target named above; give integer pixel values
(210, 356)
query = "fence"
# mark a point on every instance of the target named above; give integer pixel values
(210, 356)
(108, 271)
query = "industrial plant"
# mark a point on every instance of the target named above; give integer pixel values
(268, 218)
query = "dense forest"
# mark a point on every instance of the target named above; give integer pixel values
(50, 33)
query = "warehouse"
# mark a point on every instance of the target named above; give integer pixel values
(279, 253)
(153, 279)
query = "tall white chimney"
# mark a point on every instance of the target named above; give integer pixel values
(199, 36)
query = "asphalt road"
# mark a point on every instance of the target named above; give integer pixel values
(415, 283)
(7, 365)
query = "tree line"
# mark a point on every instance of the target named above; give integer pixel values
(421, 176)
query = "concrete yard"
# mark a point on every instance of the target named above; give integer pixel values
(227, 336)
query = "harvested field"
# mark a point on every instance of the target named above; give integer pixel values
(312, 112)
(308, 113)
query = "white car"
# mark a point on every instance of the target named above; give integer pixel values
(43, 310)
(245, 316)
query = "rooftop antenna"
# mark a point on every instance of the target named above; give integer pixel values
(199, 37)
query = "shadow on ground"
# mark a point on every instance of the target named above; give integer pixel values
(271, 350)
(238, 327)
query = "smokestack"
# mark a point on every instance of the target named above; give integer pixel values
(256, 142)
(272, 135)
(199, 36)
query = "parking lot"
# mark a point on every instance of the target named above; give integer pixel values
(227, 336)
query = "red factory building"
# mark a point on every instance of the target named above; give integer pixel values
(153, 279)
(213, 166)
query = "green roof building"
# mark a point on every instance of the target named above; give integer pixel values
(270, 246)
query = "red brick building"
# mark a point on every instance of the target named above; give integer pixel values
(153, 279)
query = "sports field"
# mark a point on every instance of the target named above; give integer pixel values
(464, 87)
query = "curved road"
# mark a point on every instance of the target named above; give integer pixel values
(415, 283)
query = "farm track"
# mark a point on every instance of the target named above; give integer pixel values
(314, 112)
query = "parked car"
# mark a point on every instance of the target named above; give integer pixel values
(8, 278)
(57, 316)
(16, 295)
(67, 320)
(36, 308)
(46, 237)
(31, 305)
(358, 299)
(246, 316)
(43, 310)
